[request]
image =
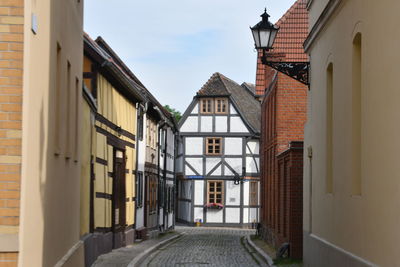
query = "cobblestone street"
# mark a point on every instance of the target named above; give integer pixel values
(206, 246)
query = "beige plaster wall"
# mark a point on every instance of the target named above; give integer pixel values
(365, 225)
(50, 230)
(315, 8)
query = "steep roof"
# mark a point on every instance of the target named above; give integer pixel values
(288, 45)
(293, 31)
(249, 86)
(249, 107)
(108, 54)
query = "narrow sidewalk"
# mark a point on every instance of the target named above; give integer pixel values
(122, 257)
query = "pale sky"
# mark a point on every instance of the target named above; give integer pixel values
(174, 46)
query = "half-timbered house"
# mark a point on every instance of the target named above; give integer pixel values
(218, 156)
(109, 168)
(156, 162)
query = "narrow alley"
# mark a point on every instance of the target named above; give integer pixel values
(214, 246)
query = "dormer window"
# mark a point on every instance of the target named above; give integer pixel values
(221, 105)
(206, 106)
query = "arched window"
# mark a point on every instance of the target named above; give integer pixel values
(329, 129)
(356, 114)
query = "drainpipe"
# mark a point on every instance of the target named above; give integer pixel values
(175, 190)
(165, 178)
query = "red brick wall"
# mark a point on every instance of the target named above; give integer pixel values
(290, 198)
(283, 119)
(291, 114)
(11, 55)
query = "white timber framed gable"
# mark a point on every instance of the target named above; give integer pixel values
(218, 164)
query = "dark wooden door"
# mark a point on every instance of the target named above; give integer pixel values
(119, 199)
(151, 201)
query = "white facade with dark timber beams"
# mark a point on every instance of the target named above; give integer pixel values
(218, 162)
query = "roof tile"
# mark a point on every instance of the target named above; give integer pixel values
(288, 46)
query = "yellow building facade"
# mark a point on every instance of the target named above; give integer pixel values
(108, 173)
(351, 178)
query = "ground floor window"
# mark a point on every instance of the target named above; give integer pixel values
(215, 192)
(139, 190)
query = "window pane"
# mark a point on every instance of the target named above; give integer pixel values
(212, 198)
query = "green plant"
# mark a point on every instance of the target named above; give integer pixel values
(177, 114)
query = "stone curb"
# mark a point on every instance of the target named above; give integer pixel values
(261, 252)
(140, 258)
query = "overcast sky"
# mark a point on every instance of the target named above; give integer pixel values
(174, 46)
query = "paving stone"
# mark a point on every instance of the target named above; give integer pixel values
(204, 246)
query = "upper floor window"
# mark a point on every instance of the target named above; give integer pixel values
(214, 146)
(140, 125)
(221, 106)
(206, 106)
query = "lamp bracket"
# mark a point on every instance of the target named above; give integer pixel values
(297, 70)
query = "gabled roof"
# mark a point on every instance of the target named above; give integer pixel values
(107, 54)
(293, 31)
(249, 107)
(288, 45)
(249, 86)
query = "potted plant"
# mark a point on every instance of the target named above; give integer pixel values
(215, 206)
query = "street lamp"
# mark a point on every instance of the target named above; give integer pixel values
(264, 34)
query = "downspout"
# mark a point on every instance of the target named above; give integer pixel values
(138, 107)
(160, 126)
(165, 177)
(175, 191)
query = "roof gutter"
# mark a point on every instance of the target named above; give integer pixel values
(133, 90)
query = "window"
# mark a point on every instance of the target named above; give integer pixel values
(329, 128)
(206, 106)
(57, 102)
(77, 97)
(140, 125)
(68, 112)
(215, 192)
(139, 190)
(356, 120)
(148, 136)
(162, 139)
(253, 193)
(214, 146)
(171, 199)
(221, 106)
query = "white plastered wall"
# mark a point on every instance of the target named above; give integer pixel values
(206, 124)
(197, 165)
(232, 215)
(140, 167)
(199, 192)
(193, 146)
(232, 196)
(190, 125)
(221, 124)
(237, 125)
(233, 146)
(215, 216)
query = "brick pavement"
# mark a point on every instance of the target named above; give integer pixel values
(205, 246)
